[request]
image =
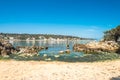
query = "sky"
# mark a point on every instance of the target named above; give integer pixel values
(82, 18)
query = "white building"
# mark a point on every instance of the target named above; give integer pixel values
(33, 39)
(42, 37)
(11, 38)
(51, 39)
(27, 39)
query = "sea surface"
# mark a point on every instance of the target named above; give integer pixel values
(54, 47)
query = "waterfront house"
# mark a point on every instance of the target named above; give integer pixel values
(42, 38)
(11, 38)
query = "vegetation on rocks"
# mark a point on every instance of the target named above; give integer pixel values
(110, 43)
(112, 35)
(107, 46)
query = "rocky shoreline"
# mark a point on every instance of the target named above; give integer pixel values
(7, 48)
(101, 46)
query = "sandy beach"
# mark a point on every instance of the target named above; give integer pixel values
(40, 70)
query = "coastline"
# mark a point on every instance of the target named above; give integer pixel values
(34, 70)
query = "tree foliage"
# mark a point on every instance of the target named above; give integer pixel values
(112, 34)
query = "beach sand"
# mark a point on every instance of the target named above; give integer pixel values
(40, 70)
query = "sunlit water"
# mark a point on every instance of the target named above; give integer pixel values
(54, 48)
(52, 54)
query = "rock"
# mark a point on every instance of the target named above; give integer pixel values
(46, 48)
(48, 59)
(67, 46)
(6, 48)
(61, 52)
(107, 46)
(56, 56)
(17, 49)
(1, 44)
(67, 51)
(79, 47)
(3, 52)
(45, 55)
(30, 50)
(6, 56)
(118, 51)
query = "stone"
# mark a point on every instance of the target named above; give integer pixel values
(61, 52)
(67, 51)
(94, 46)
(56, 56)
(6, 48)
(30, 50)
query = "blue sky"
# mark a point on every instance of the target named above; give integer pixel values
(83, 18)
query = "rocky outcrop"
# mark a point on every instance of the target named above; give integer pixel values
(7, 48)
(31, 49)
(106, 46)
(67, 51)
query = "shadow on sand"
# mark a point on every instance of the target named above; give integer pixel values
(115, 78)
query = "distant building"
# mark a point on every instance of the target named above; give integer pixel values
(42, 37)
(45, 39)
(58, 39)
(27, 39)
(52, 39)
(33, 39)
(11, 38)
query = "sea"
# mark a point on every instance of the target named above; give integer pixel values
(54, 48)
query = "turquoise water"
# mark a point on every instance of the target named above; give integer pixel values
(53, 45)
(52, 54)
(54, 49)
